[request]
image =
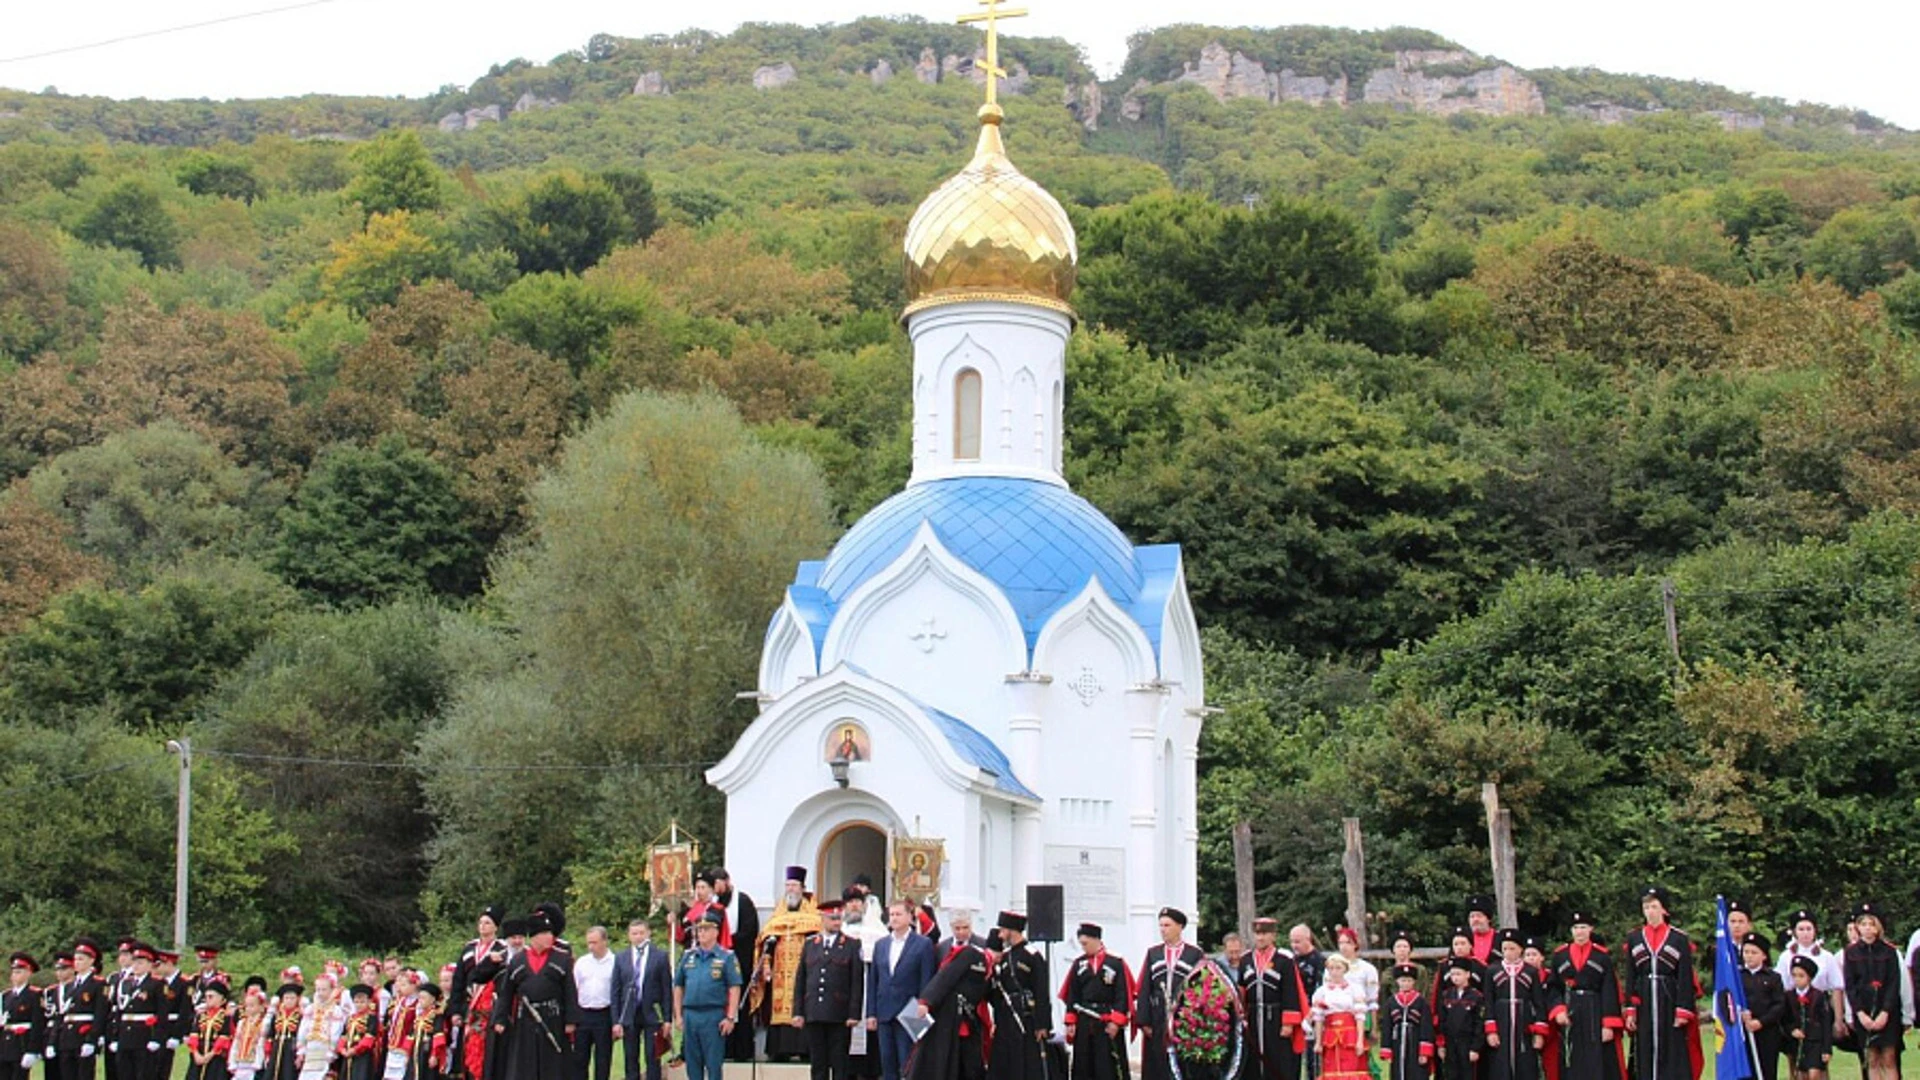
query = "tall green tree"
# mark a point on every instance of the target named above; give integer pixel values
(145, 658)
(141, 501)
(130, 215)
(395, 175)
(373, 523)
(336, 686)
(663, 536)
(562, 224)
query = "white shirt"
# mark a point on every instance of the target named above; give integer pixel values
(1828, 978)
(593, 980)
(1366, 978)
(893, 953)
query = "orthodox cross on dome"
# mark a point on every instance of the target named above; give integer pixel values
(992, 16)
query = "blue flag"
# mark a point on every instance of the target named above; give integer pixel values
(1734, 1058)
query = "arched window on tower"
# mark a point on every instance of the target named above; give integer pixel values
(966, 416)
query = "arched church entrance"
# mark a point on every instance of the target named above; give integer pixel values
(858, 847)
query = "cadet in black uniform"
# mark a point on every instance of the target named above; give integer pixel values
(1583, 998)
(1163, 978)
(1406, 1041)
(1516, 1013)
(1661, 993)
(138, 1030)
(83, 1017)
(23, 1020)
(1809, 1023)
(1766, 1003)
(1275, 998)
(828, 993)
(1098, 991)
(1022, 1015)
(1461, 1017)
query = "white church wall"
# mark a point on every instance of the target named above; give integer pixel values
(938, 630)
(787, 657)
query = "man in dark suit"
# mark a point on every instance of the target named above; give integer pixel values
(902, 965)
(827, 994)
(642, 999)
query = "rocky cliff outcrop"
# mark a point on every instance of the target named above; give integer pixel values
(774, 76)
(470, 119)
(651, 84)
(1085, 103)
(882, 72)
(928, 69)
(1493, 91)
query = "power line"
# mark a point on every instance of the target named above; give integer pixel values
(360, 763)
(64, 50)
(74, 778)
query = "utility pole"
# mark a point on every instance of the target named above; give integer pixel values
(184, 748)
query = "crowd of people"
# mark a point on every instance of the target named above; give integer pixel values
(862, 990)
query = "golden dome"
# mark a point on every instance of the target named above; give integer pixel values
(990, 233)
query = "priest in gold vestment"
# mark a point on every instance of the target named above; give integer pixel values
(776, 965)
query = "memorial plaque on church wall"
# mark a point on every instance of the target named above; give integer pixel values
(1094, 880)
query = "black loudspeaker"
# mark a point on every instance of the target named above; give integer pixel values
(1046, 912)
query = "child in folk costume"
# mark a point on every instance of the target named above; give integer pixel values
(1407, 1034)
(1661, 994)
(247, 1055)
(397, 1025)
(1516, 1013)
(212, 1034)
(356, 1052)
(1339, 1016)
(427, 1059)
(283, 1021)
(1462, 1019)
(1809, 1023)
(1871, 970)
(320, 1031)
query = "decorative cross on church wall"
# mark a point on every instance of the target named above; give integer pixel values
(928, 635)
(992, 16)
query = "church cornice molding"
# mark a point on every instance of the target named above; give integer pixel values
(789, 631)
(833, 694)
(1095, 610)
(925, 555)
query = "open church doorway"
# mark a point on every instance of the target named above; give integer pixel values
(856, 848)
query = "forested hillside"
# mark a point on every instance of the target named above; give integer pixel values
(435, 464)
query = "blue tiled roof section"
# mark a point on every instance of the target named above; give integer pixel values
(978, 750)
(1039, 542)
(1159, 569)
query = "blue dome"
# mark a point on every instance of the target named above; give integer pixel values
(1038, 541)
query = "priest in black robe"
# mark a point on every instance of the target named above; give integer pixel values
(1163, 978)
(1098, 991)
(743, 920)
(1022, 1015)
(535, 1008)
(955, 1047)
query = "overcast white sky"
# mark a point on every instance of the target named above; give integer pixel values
(1852, 54)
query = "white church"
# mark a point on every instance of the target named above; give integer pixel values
(984, 659)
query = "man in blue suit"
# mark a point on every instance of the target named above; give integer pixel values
(902, 965)
(642, 998)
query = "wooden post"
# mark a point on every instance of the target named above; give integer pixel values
(1355, 864)
(1243, 878)
(1500, 847)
